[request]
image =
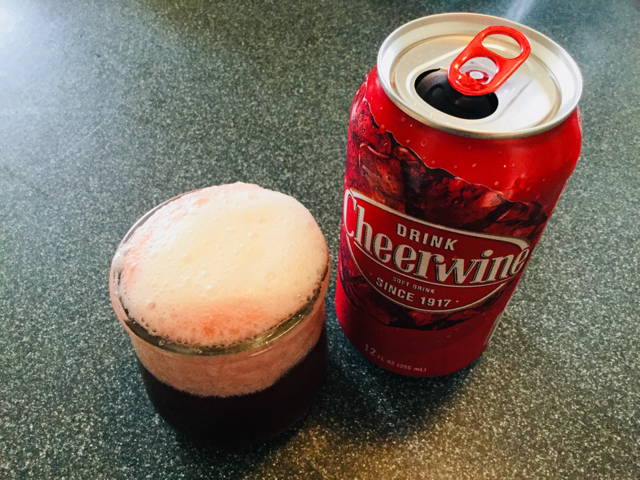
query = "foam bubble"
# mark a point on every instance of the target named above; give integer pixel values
(220, 265)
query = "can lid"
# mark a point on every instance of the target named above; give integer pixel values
(539, 95)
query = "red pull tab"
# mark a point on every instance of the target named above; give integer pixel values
(466, 84)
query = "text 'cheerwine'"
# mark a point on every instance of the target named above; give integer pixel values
(425, 266)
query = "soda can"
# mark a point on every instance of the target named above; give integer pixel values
(461, 140)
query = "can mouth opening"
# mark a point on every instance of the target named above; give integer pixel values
(433, 87)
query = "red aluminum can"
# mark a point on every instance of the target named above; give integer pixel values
(444, 205)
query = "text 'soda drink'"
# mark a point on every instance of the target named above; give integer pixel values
(447, 193)
(222, 293)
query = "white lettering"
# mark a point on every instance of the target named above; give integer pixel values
(423, 264)
(363, 227)
(382, 243)
(449, 244)
(457, 268)
(399, 258)
(477, 278)
(348, 195)
(519, 262)
(495, 266)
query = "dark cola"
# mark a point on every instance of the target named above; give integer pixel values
(242, 420)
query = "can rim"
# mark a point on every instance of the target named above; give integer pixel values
(384, 69)
(252, 343)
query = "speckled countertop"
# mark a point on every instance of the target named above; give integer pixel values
(108, 108)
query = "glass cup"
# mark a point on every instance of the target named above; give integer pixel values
(232, 394)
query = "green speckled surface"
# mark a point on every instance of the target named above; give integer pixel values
(108, 108)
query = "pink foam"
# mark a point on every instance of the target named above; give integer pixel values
(221, 264)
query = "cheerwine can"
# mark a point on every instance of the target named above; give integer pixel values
(461, 140)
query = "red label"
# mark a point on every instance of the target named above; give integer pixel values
(424, 266)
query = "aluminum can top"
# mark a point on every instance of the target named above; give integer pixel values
(541, 93)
